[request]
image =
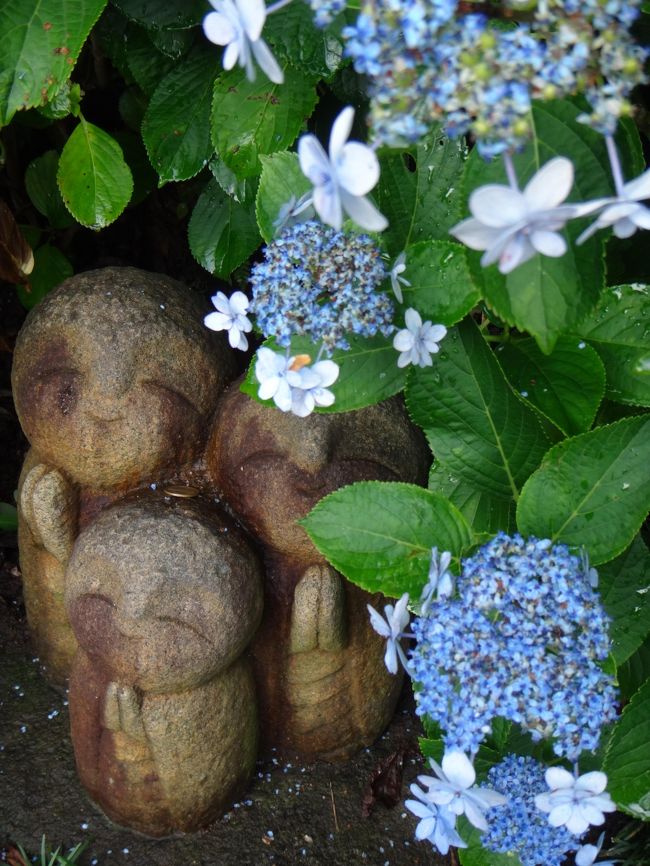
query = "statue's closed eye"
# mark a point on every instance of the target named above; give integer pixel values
(182, 400)
(184, 625)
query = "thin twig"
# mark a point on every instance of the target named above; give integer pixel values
(336, 822)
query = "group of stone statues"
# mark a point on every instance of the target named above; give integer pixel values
(165, 575)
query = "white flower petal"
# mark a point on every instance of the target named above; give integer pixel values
(475, 235)
(230, 55)
(639, 188)
(302, 402)
(458, 768)
(425, 828)
(357, 168)
(390, 658)
(474, 815)
(267, 62)
(413, 320)
(548, 243)
(282, 396)
(233, 336)
(323, 397)
(314, 163)
(404, 359)
(576, 823)
(328, 371)
(221, 302)
(252, 14)
(242, 345)
(558, 777)
(497, 206)
(418, 809)
(217, 321)
(586, 855)
(328, 205)
(594, 782)
(550, 185)
(268, 387)
(641, 217)
(340, 132)
(625, 228)
(516, 252)
(218, 29)
(363, 212)
(560, 815)
(238, 303)
(378, 622)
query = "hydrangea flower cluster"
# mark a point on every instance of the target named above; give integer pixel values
(519, 827)
(321, 283)
(325, 11)
(426, 63)
(521, 639)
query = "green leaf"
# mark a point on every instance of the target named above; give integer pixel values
(419, 191)
(380, 535)
(476, 855)
(241, 190)
(635, 671)
(547, 296)
(51, 267)
(163, 14)
(565, 386)
(66, 101)
(619, 330)
(483, 512)
(591, 490)
(368, 373)
(94, 180)
(147, 65)
(8, 517)
(476, 426)
(281, 179)
(176, 125)
(627, 762)
(624, 587)
(441, 287)
(40, 183)
(252, 118)
(41, 41)
(295, 39)
(222, 232)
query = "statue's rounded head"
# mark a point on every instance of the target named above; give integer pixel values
(115, 377)
(162, 595)
(273, 467)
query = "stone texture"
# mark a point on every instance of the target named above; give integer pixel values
(323, 688)
(163, 595)
(114, 379)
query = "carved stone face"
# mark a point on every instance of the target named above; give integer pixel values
(162, 595)
(114, 376)
(274, 467)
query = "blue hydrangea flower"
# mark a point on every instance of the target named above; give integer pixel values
(519, 827)
(521, 640)
(321, 283)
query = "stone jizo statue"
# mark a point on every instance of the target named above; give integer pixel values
(163, 595)
(114, 379)
(323, 687)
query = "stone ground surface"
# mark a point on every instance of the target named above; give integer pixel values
(294, 813)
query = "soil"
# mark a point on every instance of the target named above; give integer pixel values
(294, 813)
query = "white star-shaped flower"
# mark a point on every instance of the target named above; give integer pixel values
(625, 214)
(575, 801)
(440, 582)
(230, 316)
(417, 342)
(276, 377)
(392, 628)
(397, 270)
(586, 854)
(312, 388)
(342, 180)
(437, 823)
(453, 789)
(511, 226)
(237, 24)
